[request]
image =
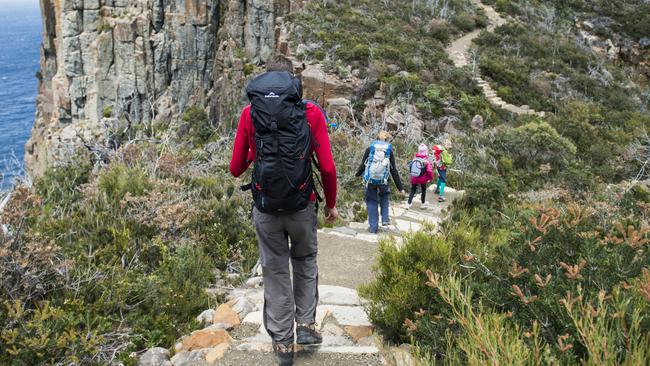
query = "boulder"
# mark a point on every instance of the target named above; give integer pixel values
(226, 316)
(205, 338)
(321, 86)
(477, 123)
(216, 353)
(156, 356)
(254, 282)
(191, 358)
(405, 120)
(242, 306)
(339, 108)
(359, 331)
(206, 317)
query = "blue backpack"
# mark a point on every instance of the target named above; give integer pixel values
(378, 163)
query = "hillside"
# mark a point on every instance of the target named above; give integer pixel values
(132, 225)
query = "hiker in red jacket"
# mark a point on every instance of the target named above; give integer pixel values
(276, 217)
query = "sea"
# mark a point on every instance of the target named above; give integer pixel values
(20, 38)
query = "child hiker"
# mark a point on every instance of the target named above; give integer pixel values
(421, 174)
(442, 159)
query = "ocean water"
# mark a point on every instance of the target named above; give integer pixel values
(20, 38)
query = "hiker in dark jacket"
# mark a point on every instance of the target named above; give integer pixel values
(375, 169)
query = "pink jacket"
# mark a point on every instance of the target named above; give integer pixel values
(428, 176)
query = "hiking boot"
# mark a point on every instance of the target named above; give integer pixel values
(307, 334)
(441, 199)
(283, 353)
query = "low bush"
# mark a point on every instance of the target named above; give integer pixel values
(101, 264)
(200, 128)
(560, 276)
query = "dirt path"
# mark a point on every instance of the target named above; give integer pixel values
(459, 52)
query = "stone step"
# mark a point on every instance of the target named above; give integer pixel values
(266, 347)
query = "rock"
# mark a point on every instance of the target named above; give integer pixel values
(332, 330)
(242, 306)
(367, 342)
(345, 230)
(156, 356)
(225, 316)
(259, 30)
(349, 315)
(206, 317)
(477, 123)
(205, 339)
(190, 358)
(216, 292)
(359, 332)
(336, 341)
(255, 347)
(450, 127)
(340, 108)
(406, 226)
(141, 60)
(401, 356)
(216, 353)
(405, 119)
(451, 110)
(254, 282)
(318, 85)
(255, 317)
(335, 295)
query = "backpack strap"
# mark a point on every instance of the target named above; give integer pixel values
(318, 178)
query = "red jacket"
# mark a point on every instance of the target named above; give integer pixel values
(243, 152)
(428, 175)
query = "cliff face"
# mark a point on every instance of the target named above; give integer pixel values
(108, 63)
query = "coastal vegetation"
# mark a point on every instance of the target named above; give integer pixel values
(544, 260)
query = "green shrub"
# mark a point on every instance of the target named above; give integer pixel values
(120, 180)
(47, 333)
(399, 288)
(538, 272)
(119, 258)
(249, 69)
(201, 130)
(537, 143)
(107, 112)
(463, 21)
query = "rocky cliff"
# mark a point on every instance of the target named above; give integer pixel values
(110, 64)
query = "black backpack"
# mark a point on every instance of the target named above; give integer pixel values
(282, 180)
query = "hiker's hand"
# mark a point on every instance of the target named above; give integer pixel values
(331, 214)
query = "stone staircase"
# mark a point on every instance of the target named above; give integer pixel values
(234, 333)
(403, 219)
(458, 51)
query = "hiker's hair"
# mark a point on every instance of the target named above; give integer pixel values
(384, 136)
(280, 63)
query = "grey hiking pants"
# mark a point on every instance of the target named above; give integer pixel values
(285, 301)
